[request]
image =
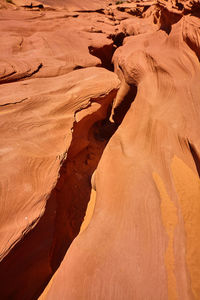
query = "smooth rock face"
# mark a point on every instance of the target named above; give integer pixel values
(74, 126)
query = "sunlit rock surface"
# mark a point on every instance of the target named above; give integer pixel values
(99, 181)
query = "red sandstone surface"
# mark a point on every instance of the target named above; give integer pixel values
(100, 159)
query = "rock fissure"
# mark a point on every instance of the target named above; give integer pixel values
(13, 103)
(19, 77)
(66, 205)
(65, 130)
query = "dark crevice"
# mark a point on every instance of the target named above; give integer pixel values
(121, 110)
(43, 248)
(179, 5)
(104, 129)
(118, 38)
(7, 75)
(195, 156)
(13, 103)
(19, 77)
(105, 54)
(193, 46)
(40, 6)
(166, 28)
(100, 11)
(74, 187)
(146, 7)
(194, 9)
(78, 67)
(167, 19)
(137, 12)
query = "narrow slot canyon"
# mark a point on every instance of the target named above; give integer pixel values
(99, 150)
(66, 206)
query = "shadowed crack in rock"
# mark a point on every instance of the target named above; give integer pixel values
(49, 240)
(18, 77)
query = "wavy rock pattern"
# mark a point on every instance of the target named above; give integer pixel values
(70, 125)
(36, 133)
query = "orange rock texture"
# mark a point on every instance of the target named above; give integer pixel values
(100, 150)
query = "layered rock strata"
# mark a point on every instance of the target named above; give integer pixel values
(102, 98)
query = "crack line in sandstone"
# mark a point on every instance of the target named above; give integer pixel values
(10, 103)
(9, 80)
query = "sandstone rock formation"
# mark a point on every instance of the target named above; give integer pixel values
(99, 101)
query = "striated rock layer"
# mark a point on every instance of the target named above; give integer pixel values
(74, 125)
